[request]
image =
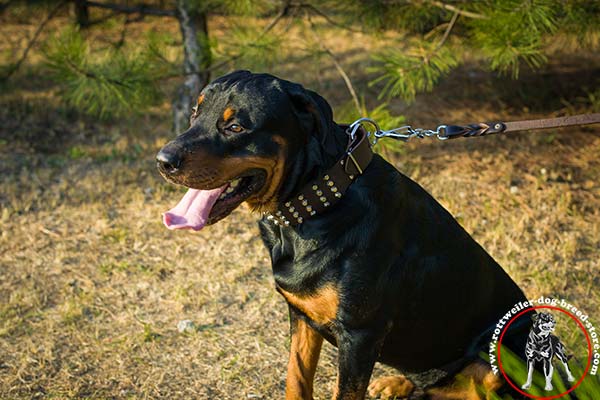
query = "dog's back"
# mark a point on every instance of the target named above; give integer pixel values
(449, 293)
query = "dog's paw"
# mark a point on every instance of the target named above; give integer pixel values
(548, 387)
(526, 385)
(571, 378)
(390, 387)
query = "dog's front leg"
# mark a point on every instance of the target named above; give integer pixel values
(527, 383)
(570, 376)
(305, 348)
(548, 372)
(358, 350)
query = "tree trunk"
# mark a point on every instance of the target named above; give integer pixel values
(82, 13)
(195, 62)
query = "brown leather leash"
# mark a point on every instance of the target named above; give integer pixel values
(444, 132)
(488, 128)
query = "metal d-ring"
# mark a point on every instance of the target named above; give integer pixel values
(353, 128)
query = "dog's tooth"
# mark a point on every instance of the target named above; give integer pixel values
(222, 196)
(234, 183)
(229, 189)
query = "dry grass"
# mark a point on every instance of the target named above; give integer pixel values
(92, 286)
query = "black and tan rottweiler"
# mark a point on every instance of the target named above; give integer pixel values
(383, 271)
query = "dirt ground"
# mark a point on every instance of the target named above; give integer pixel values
(92, 285)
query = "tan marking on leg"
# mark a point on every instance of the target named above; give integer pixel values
(320, 306)
(200, 99)
(228, 113)
(304, 355)
(475, 382)
(390, 387)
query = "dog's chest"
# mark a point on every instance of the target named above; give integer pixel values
(540, 342)
(320, 305)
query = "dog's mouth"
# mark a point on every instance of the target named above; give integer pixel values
(199, 208)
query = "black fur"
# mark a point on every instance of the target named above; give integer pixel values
(416, 291)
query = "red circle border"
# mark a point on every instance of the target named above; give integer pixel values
(587, 368)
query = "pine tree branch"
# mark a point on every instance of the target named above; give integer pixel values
(338, 67)
(142, 9)
(325, 16)
(282, 13)
(127, 21)
(345, 77)
(434, 30)
(455, 9)
(448, 30)
(103, 19)
(94, 76)
(35, 37)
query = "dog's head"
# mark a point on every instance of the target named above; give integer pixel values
(244, 129)
(544, 323)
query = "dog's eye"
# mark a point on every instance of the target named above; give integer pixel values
(235, 128)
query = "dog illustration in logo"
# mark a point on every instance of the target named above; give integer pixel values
(543, 346)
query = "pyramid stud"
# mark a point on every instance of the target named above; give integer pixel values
(292, 209)
(326, 178)
(301, 197)
(334, 189)
(329, 183)
(338, 195)
(270, 217)
(295, 214)
(319, 193)
(304, 202)
(351, 176)
(287, 204)
(309, 208)
(287, 223)
(323, 199)
(276, 222)
(313, 212)
(314, 187)
(300, 220)
(278, 213)
(326, 204)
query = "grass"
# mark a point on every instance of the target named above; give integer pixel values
(92, 285)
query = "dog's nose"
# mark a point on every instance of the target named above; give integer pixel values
(168, 161)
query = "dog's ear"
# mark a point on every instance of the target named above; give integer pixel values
(315, 115)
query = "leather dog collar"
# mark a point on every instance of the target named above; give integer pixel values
(325, 191)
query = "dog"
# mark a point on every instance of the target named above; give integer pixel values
(543, 346)
(365, 258)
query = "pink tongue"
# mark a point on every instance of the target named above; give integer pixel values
(193, 209)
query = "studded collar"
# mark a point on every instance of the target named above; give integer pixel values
(325, 191)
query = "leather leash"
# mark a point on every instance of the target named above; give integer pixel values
(488, 128)
(444, 132)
